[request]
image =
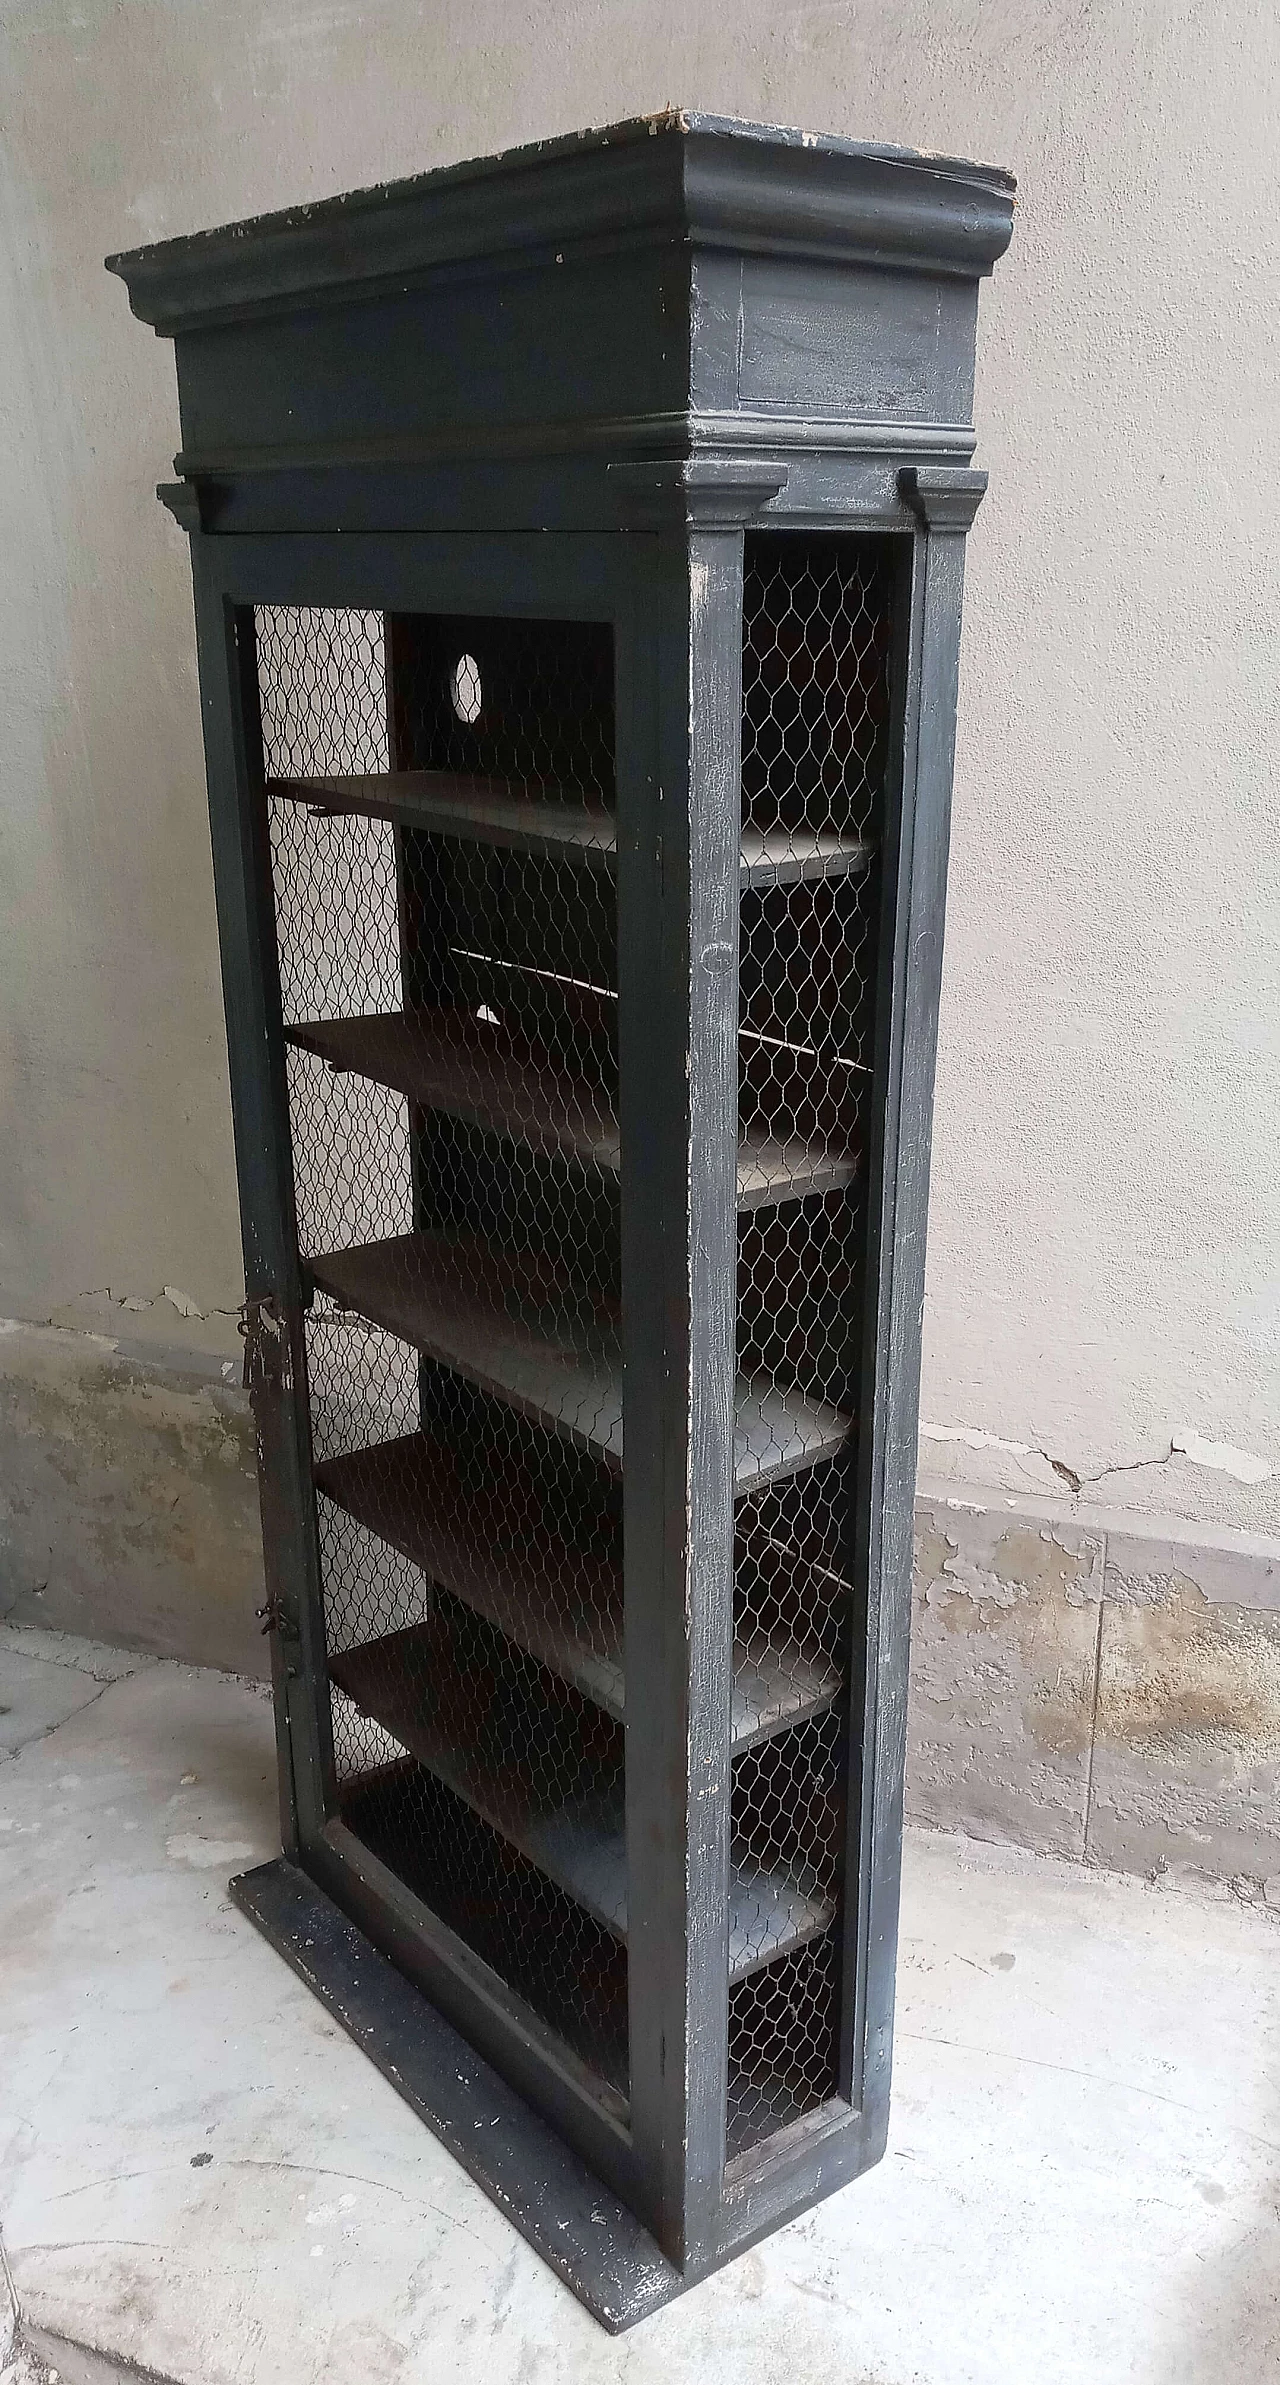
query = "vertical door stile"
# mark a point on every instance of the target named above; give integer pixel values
(678, 890)
(715, 745)
(260, 1112)
(944, 502)
(866, 2026)
(652, 879)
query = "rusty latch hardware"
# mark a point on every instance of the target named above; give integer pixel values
(262, 1330)
(273, 1617)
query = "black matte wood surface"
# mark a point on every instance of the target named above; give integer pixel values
(482, 340)
(559, 386)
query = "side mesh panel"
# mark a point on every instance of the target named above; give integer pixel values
(817, 621)
(440, 797)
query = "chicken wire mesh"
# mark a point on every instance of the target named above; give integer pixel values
(817, 625)
(448, 975)
(449, 1004)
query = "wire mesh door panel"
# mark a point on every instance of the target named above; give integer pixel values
(818, 613)
(440, 792)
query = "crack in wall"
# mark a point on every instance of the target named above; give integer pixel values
(972, 1437)
(1080, 1482)
(1242, 1465)
(136, 1304)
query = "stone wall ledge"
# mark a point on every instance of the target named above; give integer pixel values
(1097, 1684)
(1089, 1683)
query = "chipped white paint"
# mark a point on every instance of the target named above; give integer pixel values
(972, 1438)
(1240, 1463)
(973, 1581)
(182, 1301)
(1243, 1465)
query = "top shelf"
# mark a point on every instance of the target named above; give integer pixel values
(489, 811)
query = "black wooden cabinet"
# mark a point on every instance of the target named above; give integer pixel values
(578, 542)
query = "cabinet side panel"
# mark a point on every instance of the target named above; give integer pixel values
(817, 738)
(914, 909)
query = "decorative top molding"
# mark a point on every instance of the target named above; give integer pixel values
(941, 496)
(706, 490)
(675, 179)
(183, 500)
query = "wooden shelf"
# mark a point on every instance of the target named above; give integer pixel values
(486, 811)
(493, 811)
(498, 1904)
(795, 856)
(492, 1550)
(516, 1337)
(511, 1934)
(433, 1702)
(448, 1060)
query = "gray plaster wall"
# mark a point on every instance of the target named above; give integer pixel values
(1082, 1685)
(1103, 1277)
(128, 1498)
(1104, 1296)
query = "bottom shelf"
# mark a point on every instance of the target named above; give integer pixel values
(571, 1970)
(573, 1973)
(782, 2042)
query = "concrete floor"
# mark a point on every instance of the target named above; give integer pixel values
(200, 2174)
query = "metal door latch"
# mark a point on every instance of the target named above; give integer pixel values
(262, 1330)
(273, 1617)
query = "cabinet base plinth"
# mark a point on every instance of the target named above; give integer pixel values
(581, 2230)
